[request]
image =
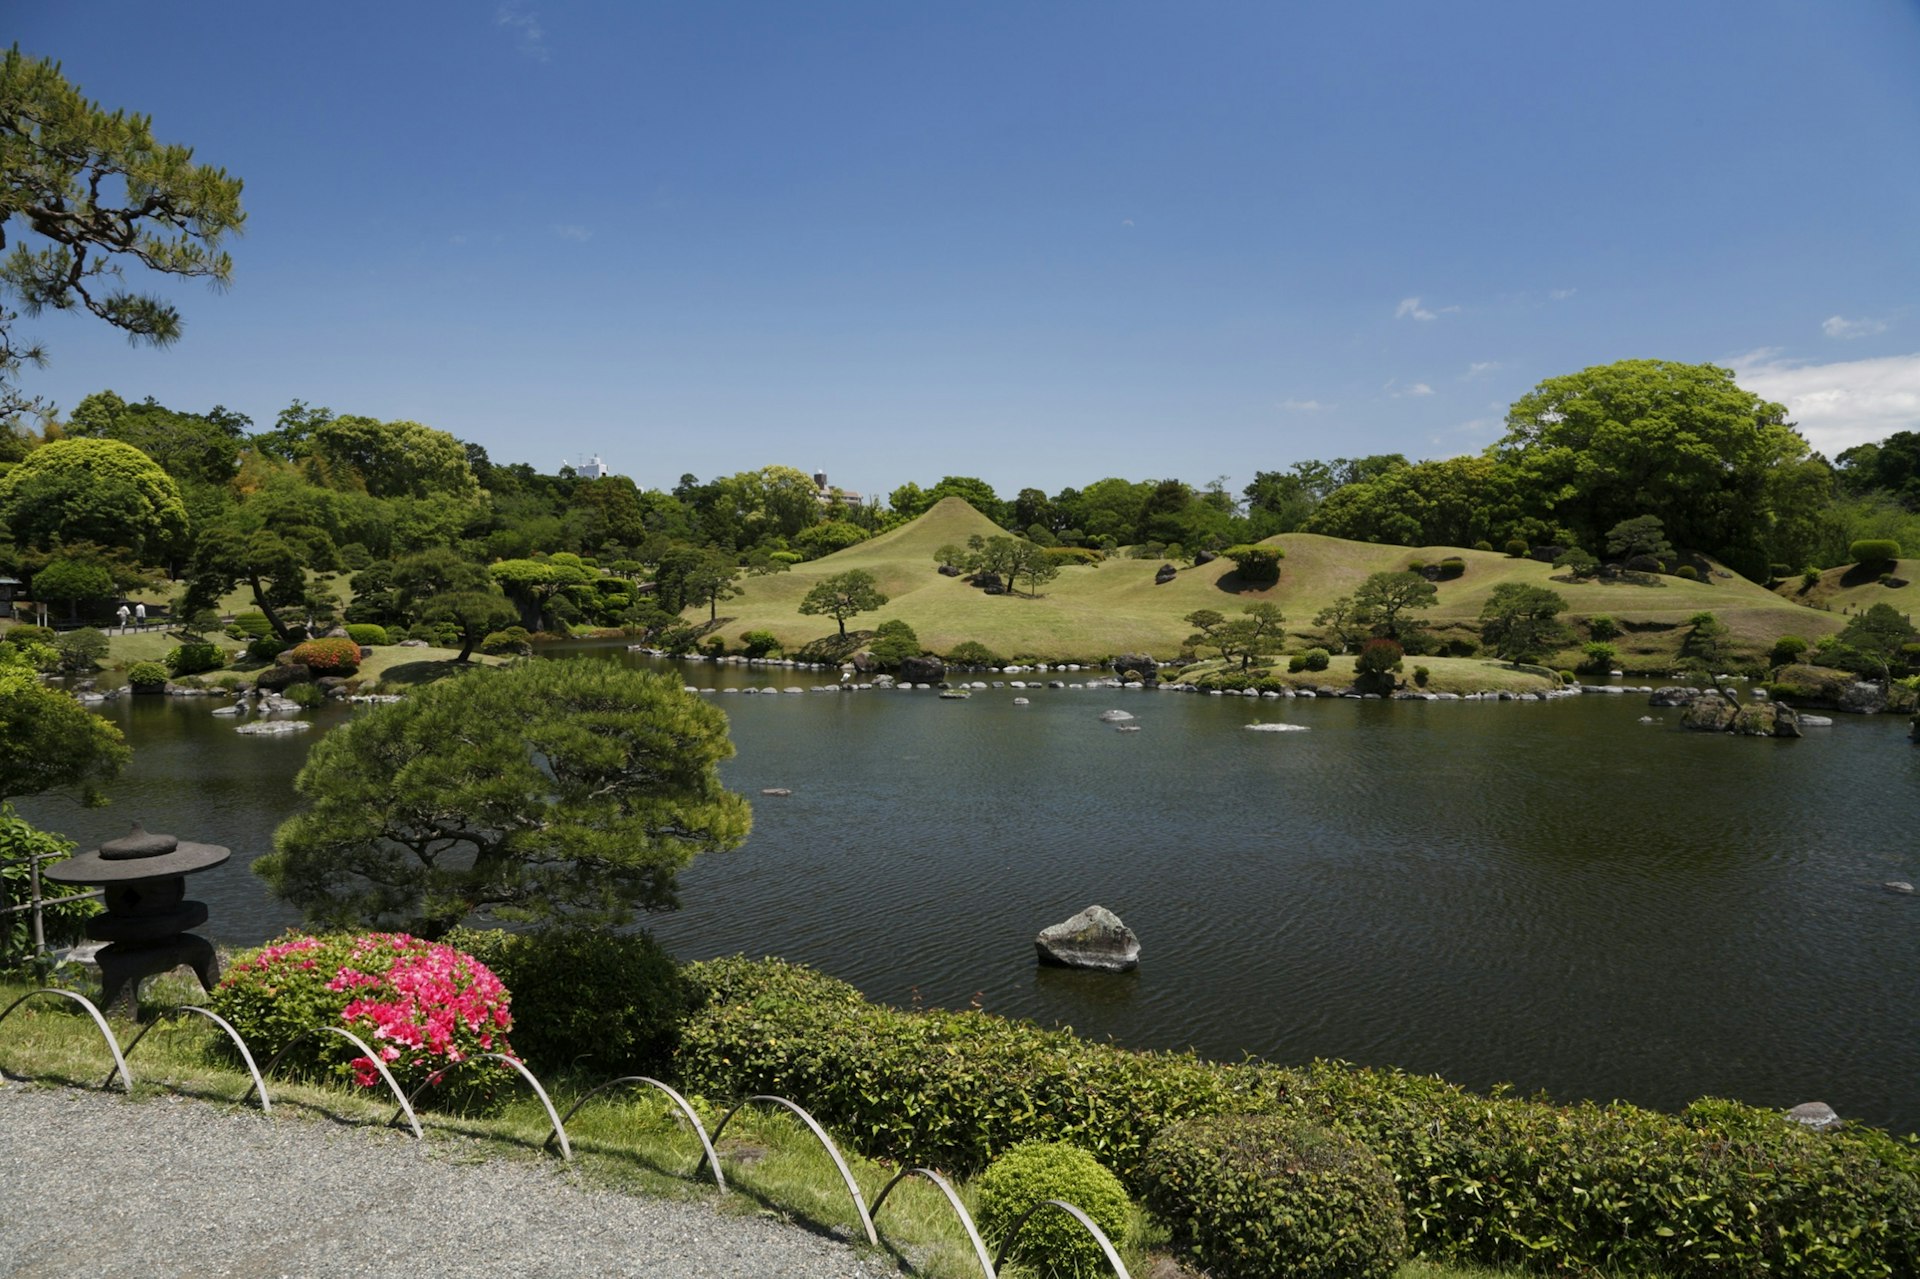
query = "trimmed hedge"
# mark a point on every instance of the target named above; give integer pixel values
(1258, 1195)
(368, 633)
(1874, 550)
(191, 659)
(1721, 1190)
(608, 1004)
(948, 1089)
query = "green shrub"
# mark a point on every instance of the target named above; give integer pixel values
(1255, 1196)
(147, 677)
(1568, 677)
(973, 653)
(252, 624)
(368, 633)
(1787, 650)
(1452, 566)
(1378, 656)
(305, 696)
(337, 656)
(601, 1003)
(81, 650)
(191, 659)
(893, 643)
(28, 634)
(515, 639)
(759, 643)
(1071, 556)
(1779, 572)
(266, 648)
(947, 1089)
(1809, 577)
(1598, 658)
(1602, 626)
(1517, 547)
(1722, 1190)
(1483, 545)
(424, 1006)
(1051, 1241)
(1874, 550)
(1315, 659)
(1687, 572)
(1421, 675)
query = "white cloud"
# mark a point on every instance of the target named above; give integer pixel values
(528, 34)
(1561, 295)
(570, 231)
(1126, 221)
(1839, 326)
(1303, 406)
(1481, 366)
(1417, 389)
(1410, 308)
(1842, 404)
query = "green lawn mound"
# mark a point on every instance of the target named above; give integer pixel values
(1091, 612)
(1855, 588)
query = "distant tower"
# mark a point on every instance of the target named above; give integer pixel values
(596, 469)
(820, 480)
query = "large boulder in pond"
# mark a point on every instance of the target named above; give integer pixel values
(1709, 713)
(1095, 938)
(1765, 719)
(1139, 663)
(275, 678)
(922, 670)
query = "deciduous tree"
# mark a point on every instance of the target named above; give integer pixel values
(94, 491)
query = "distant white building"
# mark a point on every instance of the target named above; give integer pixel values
(847, 497)
(594, 470)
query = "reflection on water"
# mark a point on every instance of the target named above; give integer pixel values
(1551, 894)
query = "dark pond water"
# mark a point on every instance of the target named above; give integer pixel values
(1552, 894)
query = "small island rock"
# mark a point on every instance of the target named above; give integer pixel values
(1817, 1115)
(1094, 938)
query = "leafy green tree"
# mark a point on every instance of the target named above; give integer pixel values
(1345, 622)
(950, 555)
(474, 613)
(842, 596)
(96, 192)
(392, 459)
(1872, 642)
(893, 643)
(822, 540)
(50, 742)
(1706, 646)
(94, 491)
(533, 585)
(233, 554)
(546, 791)
(909, 500)
(424, 575)
(713, 579)
(1385, 601)
(1521, 623)
(74, 582)
(81, 650)
(1650, 437)
(1641, 535)
(1259, 566)
(1033, 566)
(191, 447)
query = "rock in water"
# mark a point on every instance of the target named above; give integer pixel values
(1095, 938)
(1817, 1115)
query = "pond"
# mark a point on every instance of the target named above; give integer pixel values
(1550, 894)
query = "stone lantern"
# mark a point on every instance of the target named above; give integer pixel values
(147, 915)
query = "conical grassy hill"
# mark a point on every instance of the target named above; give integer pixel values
(1095, 611)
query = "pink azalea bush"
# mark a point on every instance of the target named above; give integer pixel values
(425, 1008)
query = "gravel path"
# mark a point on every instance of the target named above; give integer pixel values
(98, 1186)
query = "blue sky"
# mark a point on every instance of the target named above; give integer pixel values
(1038, 243)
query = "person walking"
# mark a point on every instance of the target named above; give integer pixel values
(140, 617)
(123, 615)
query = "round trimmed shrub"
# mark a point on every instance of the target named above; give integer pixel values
(336, 656)
(1517, 547)
(601, 1003)
(1602, 626)
(510, 641)
(973, 653)
(425, 1007)
(1787, 650)
(147, 677)
(266, 648)
(1254, 1196)
(1687, 572)
(1052, 1242)
(368, 633)
(1452, 566)
(1315, 659)
(191, 659)
(252, 624)
(26, 633)
(1483, 545)
(1874, 550)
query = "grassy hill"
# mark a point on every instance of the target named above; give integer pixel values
(1853, 589)
(1115, 607)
